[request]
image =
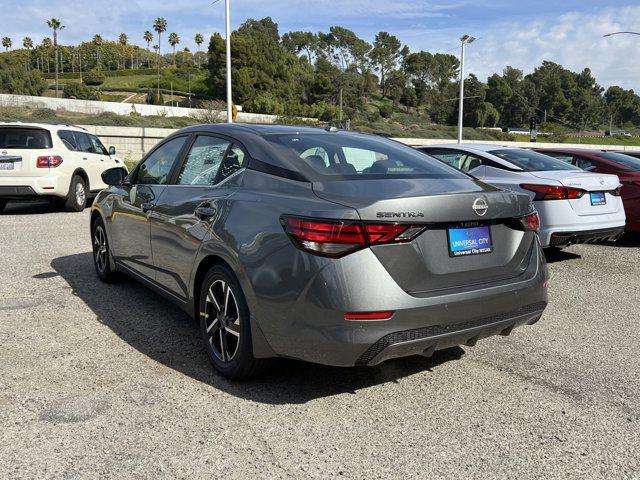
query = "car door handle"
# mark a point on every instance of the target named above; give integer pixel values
(85, 158)
(205, 212)
(146, 206)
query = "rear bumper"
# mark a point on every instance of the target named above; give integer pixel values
(558, 219)
(27, 188)
(564, 239)
(313, 328)
(425, 341)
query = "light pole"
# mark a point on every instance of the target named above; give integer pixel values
(466, 40)
(229, 106)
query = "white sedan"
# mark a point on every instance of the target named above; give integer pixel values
(574, 206)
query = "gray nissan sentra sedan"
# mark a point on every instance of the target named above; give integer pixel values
(332, 247)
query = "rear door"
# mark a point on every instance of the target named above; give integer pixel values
(190, 205)
(20, 148)
(94, 160)
(134, 204)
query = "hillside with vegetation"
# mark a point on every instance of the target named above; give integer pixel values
(380, 86)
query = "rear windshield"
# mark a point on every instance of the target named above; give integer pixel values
(626, 161)
(24, 138)
(530, 161)
(342, 156)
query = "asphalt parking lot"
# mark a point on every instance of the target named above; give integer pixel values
(110, 381)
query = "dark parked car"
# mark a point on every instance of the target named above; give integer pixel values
(332, 247)
(626, 167)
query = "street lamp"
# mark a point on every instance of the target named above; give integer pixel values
(466, 40)
(229, 106)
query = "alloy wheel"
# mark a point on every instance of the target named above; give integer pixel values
(81, 196)
(100, 248)
(222, 321)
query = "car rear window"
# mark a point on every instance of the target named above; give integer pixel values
(24, 138)
(338, 156)
(530, 161)
(626, 161)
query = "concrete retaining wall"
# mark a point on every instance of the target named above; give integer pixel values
(94, 107)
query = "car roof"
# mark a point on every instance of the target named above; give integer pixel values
(44, 126)
(471, 147)
(255, 129)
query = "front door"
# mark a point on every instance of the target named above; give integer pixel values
(186, 210)
(130, 221)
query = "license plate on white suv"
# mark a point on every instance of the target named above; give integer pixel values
(6, 165)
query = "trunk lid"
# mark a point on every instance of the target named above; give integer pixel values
(425, 265)
(598, 199)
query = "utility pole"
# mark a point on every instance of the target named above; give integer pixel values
(229, 91)
(466, 40)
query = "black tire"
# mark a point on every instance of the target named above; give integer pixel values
(101, 252)
(76, 202)
(3, 204)
(239, 362)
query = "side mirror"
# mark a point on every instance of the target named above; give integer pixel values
(112, 150)
(114, 176)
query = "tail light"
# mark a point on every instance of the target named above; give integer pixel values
(553, 192)
(530, 222)
(336, 238)
(50, 161)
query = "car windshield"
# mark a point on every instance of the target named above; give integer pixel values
(626, 161)
(24, 138)
(532, 161)
(344, 156)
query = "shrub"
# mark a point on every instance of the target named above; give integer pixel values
(386, 110)
(154, 97)
(14, 80)
(44, 114)
(93, 77)
(81, 92)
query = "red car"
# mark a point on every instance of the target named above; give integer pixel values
(626, 167)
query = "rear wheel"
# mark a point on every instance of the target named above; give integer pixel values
(101, 255)
(77, 197)
(3, 204)
(225, 327)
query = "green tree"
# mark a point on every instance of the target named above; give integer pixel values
(6, 43)
(298, 42)
(55, 25)
(199, 39)
(14, 80)
(97, 42)
(385, 55)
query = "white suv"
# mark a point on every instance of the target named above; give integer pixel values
(57, 162)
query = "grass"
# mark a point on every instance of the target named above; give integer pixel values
(130, 81)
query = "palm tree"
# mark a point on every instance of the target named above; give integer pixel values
(7, 43)
(28, 44)
(123, 40)
(160, 26)
(199, 41)
(97, 41)
(174, 40)
(148, 37)
(47, 44)
(55, 25)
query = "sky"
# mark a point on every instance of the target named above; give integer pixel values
(516, 33)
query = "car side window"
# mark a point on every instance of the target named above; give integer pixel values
(565, 157)
(585, 163)
(68, 139)
(83, 142)
(156, 168)
(233, 161)
(97, 146)
(203, 161)
(463, 161)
